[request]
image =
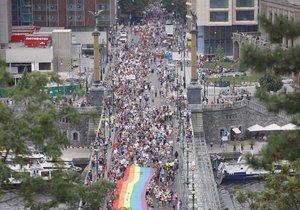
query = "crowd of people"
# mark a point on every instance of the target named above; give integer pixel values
(144, 106)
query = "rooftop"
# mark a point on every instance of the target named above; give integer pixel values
(288, 3)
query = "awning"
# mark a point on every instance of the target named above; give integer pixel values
(255, 128)
(272, 127)
(289, 126)
(236, 130)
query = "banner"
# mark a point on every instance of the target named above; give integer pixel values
(131, 189)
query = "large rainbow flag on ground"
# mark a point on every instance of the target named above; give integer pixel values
(131, 189)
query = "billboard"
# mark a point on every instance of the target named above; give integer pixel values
(37, 41)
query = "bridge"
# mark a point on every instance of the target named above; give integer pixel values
(200, 188)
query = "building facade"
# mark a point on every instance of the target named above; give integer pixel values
(218, 19)
(271, 8)
(5, 22)
(288, 8)
(71, 14)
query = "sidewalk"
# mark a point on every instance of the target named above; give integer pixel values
(228, 147)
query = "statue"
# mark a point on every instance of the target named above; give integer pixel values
(96, 15)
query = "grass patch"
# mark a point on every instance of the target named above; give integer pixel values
(213, 65)
(238, 79)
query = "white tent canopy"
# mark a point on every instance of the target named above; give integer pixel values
(289, 126)
(236, 130)
(255, 127)
(272, 127)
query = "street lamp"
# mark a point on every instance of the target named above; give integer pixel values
(193, 183)
(97, 162)
(130, 15)
(187, 164)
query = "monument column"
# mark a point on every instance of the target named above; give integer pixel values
(97, 90)
(194, 88)
(96, 75)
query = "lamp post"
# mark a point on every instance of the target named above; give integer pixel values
(184, 76)
(193, 184)
(110, 102)
(130, 14)
(187, 163)
(97, 162)
(86, 83)
(113, 94)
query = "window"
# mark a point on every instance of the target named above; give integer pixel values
(75, 136)
(39, 18)
(103, 6)
(244, 3)
(65, 132)
(245, 15)
(218, 3)
(218, 16)
(53, 7)
(79, 17)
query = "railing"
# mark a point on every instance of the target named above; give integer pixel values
(227, 105)
(89, 167)
(201, 194)
(262, 109)
(250, 38)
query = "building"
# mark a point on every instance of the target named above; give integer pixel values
(5, 22)
(71, 14)
(271, 8)
(218, 19)
(287, 8)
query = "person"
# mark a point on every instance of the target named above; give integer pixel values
(179, 205)
(176, 155)
(211, 145)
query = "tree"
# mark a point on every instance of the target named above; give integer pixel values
(176, 6)
(271, 82)
(132, 6)
(281, 190)
(33, 121)
(219, 53)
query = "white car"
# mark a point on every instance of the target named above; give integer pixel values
(123, 37)
(123, 34)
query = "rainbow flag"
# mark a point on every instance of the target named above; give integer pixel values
(131, 189)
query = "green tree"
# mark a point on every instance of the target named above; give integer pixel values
(33, 121)
(134, 7)
(219, 53)
(282, 191)
(176, 6)
(271, 82)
